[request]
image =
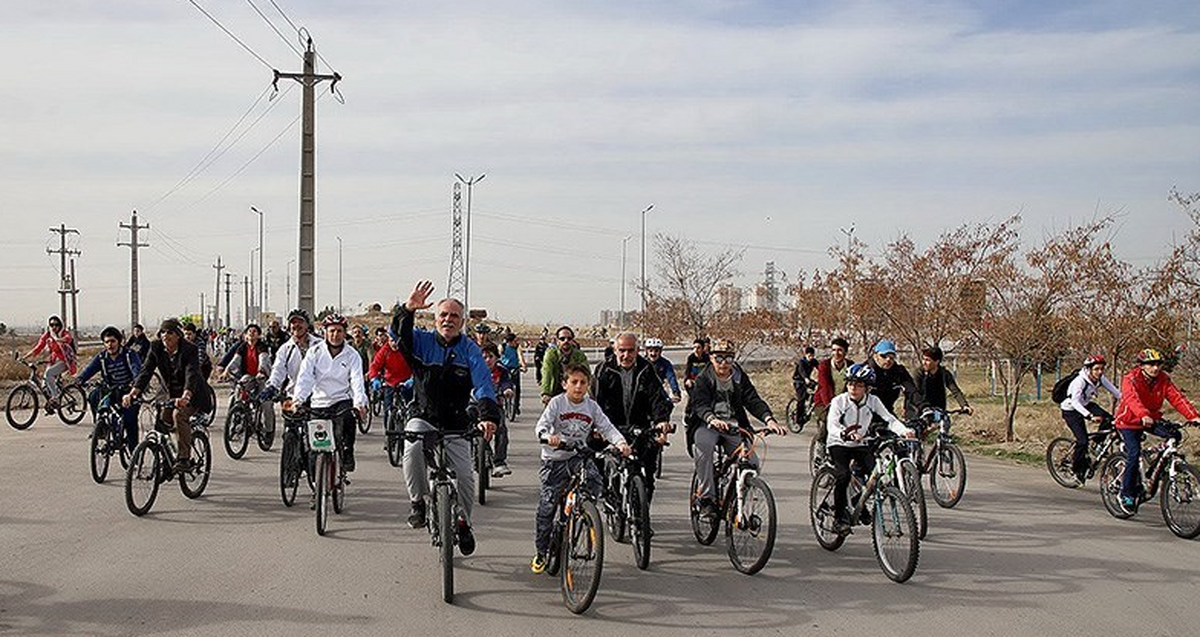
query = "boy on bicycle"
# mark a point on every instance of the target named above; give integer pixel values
(503, 384)
(1143, 390)
(570, 418)
(117, 365)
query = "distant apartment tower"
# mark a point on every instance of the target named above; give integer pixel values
(728, 298)
(613, 317)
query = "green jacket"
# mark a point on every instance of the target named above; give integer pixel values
(552, 370)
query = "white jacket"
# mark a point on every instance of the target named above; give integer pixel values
(287, 363)
(1082, 391)
(330, 379)
(847, 417)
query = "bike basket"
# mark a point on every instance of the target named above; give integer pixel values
(320, 435)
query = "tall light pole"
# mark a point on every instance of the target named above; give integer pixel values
(624, 242)
(250, 300)
(467, 247)
(287, 285)
(648, 209)
(261, 280)
(339, 275)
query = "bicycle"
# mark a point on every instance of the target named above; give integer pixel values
(441, 500)
(328, 472)
(375, 396)
(1166, 467)
(153, 463)
(248, 416)
(796, 421)
(894, 531)
(395, 415)
(576, 551)
(944, 464)
(1060, 453)
(744, 502)
(627, 499)
(293, 457)
(481, 452)
(108, 436)
(24, 400)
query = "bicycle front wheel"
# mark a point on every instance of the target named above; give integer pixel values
(483, 470)
(703, 527)
(750, 531)
(141, 479)
(100, 451)
(912, 488)
(337, 480)
(289, 468)
(822, 512)
(446, 532)
(1180, 501)
(639, 522)
(395, 449)
(322, 495)
(816, 455)
(894, 533)
(22, 407)
(265, 433)
(72, 404)
(1110, 486)
(237, 438)
(582, 557)
(948, 475)
(793, 419)
(193, 482)
(1059, 457)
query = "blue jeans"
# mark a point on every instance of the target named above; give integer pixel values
(556, 475)
(396, 393)
(1131, 480)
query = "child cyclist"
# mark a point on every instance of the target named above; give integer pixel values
(1143, 390)
(569, 418)
(502, 381)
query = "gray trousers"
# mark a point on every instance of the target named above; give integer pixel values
(458, 453)
(52, 374)
(705, 448)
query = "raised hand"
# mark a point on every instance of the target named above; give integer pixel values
(419, 299)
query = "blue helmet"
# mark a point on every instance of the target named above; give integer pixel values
(861, 373)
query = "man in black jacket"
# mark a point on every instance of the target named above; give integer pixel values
(178, 363)
(630, 394)
(892, 378)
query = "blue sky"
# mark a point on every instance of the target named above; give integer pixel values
(767, 124)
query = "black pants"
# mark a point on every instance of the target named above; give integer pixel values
(1078, 426)
(344, 423)
(841, 457)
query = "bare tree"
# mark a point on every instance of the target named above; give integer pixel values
(687, 279)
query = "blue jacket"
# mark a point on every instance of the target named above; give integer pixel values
(446, 374)
(117, 373)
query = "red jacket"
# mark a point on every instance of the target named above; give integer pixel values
(827, 388)
(1142, 396)
(58, 351)
(391, 362)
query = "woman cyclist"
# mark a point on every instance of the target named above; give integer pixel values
(1080, 407)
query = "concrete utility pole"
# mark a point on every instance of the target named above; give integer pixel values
(644, 211)
(624, 243)
(246, 294)
(227, 299)
(217, 297)
(135, 316)
(308, 171)
(62, 253)
(74, 292)
(262, 281)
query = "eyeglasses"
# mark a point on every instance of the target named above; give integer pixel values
(723, 358)
(56, 325)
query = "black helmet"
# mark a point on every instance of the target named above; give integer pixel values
(300, 313)
(113, 331)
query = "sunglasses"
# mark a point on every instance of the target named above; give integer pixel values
(565, 338)
(56, 325)
(723, 358)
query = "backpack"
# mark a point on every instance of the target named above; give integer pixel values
(1061, 387)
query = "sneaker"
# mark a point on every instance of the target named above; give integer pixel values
(466, 539)
(1129, 503)
(865, 518)
(348, 460)
(708, 508)
(416, 518)
(182, 466)
(500, 470)
(538, 564)
(841, 523)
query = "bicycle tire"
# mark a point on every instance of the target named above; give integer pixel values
(1110, 486)
(445, 521)
(583, 557)
(72, 405)
(322, 496)
(1059, 456)
(264, 433)
(948, 475)
(483, 473)
(750, 533)
(395, 449)
(639, 521)
(816, 455)
(289, 468)
(205, 418)
(141, 478)
(510, 409)
(703, 527)
(237, 433)
(916, 494)
(614, 503)
(192, 483)
(364, 424)
(821, 511)
(894, 534)
(21, 408)
(100, 454)
(793, 421)
(337, 482)
(1180, 500)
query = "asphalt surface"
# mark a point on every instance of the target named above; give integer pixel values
(1019, 555)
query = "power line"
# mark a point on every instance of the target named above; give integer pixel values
(231, 35)
(274, 28)
(299, 33)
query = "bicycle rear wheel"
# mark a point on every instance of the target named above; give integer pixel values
(446, 533)
(750, 533)
(141, 479)
(639, 522)
(894, 533)
(948, 475)
(72, 404)
(192, 483)
(816, 455)
(289, 467)
(703, 527)
(237, 438)
(1180, 501)
(1059, 456)
(21, 409)
(1110, 486)
(793, 419)
(822, 513)
(912, 488)
(583, 556)
(322, 492)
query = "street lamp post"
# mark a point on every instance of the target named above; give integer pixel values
(339, 275)
(261, 296)
(467, 248)
(624, 242)
(648, 209)
(287, 285)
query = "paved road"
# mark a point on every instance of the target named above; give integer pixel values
(1019, 555)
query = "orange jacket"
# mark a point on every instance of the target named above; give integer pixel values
(1142, 396)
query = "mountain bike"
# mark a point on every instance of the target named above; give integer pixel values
(626, 502)
(24, 400)
(1060, 454)
(878, 501)
(1167, 468)
(375, 395)
(441, 501)
(576, 551)
(153, 462)
(395, 416)
(248, 416)
(294, 457)
(944, 463)
(797, 420)
(744, 502)
(108, 436)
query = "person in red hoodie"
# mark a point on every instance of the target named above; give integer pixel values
(57, 340)
(1143, 390)
(389, 369)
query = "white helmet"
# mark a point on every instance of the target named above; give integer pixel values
(654, 343)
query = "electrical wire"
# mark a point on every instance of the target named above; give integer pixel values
(231, 35)
(299, 33)
(274, 28)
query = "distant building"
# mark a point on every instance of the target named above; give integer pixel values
(613, 317)
(728, 299)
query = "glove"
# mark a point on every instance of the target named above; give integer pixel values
(376, 384)
(269, 394)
